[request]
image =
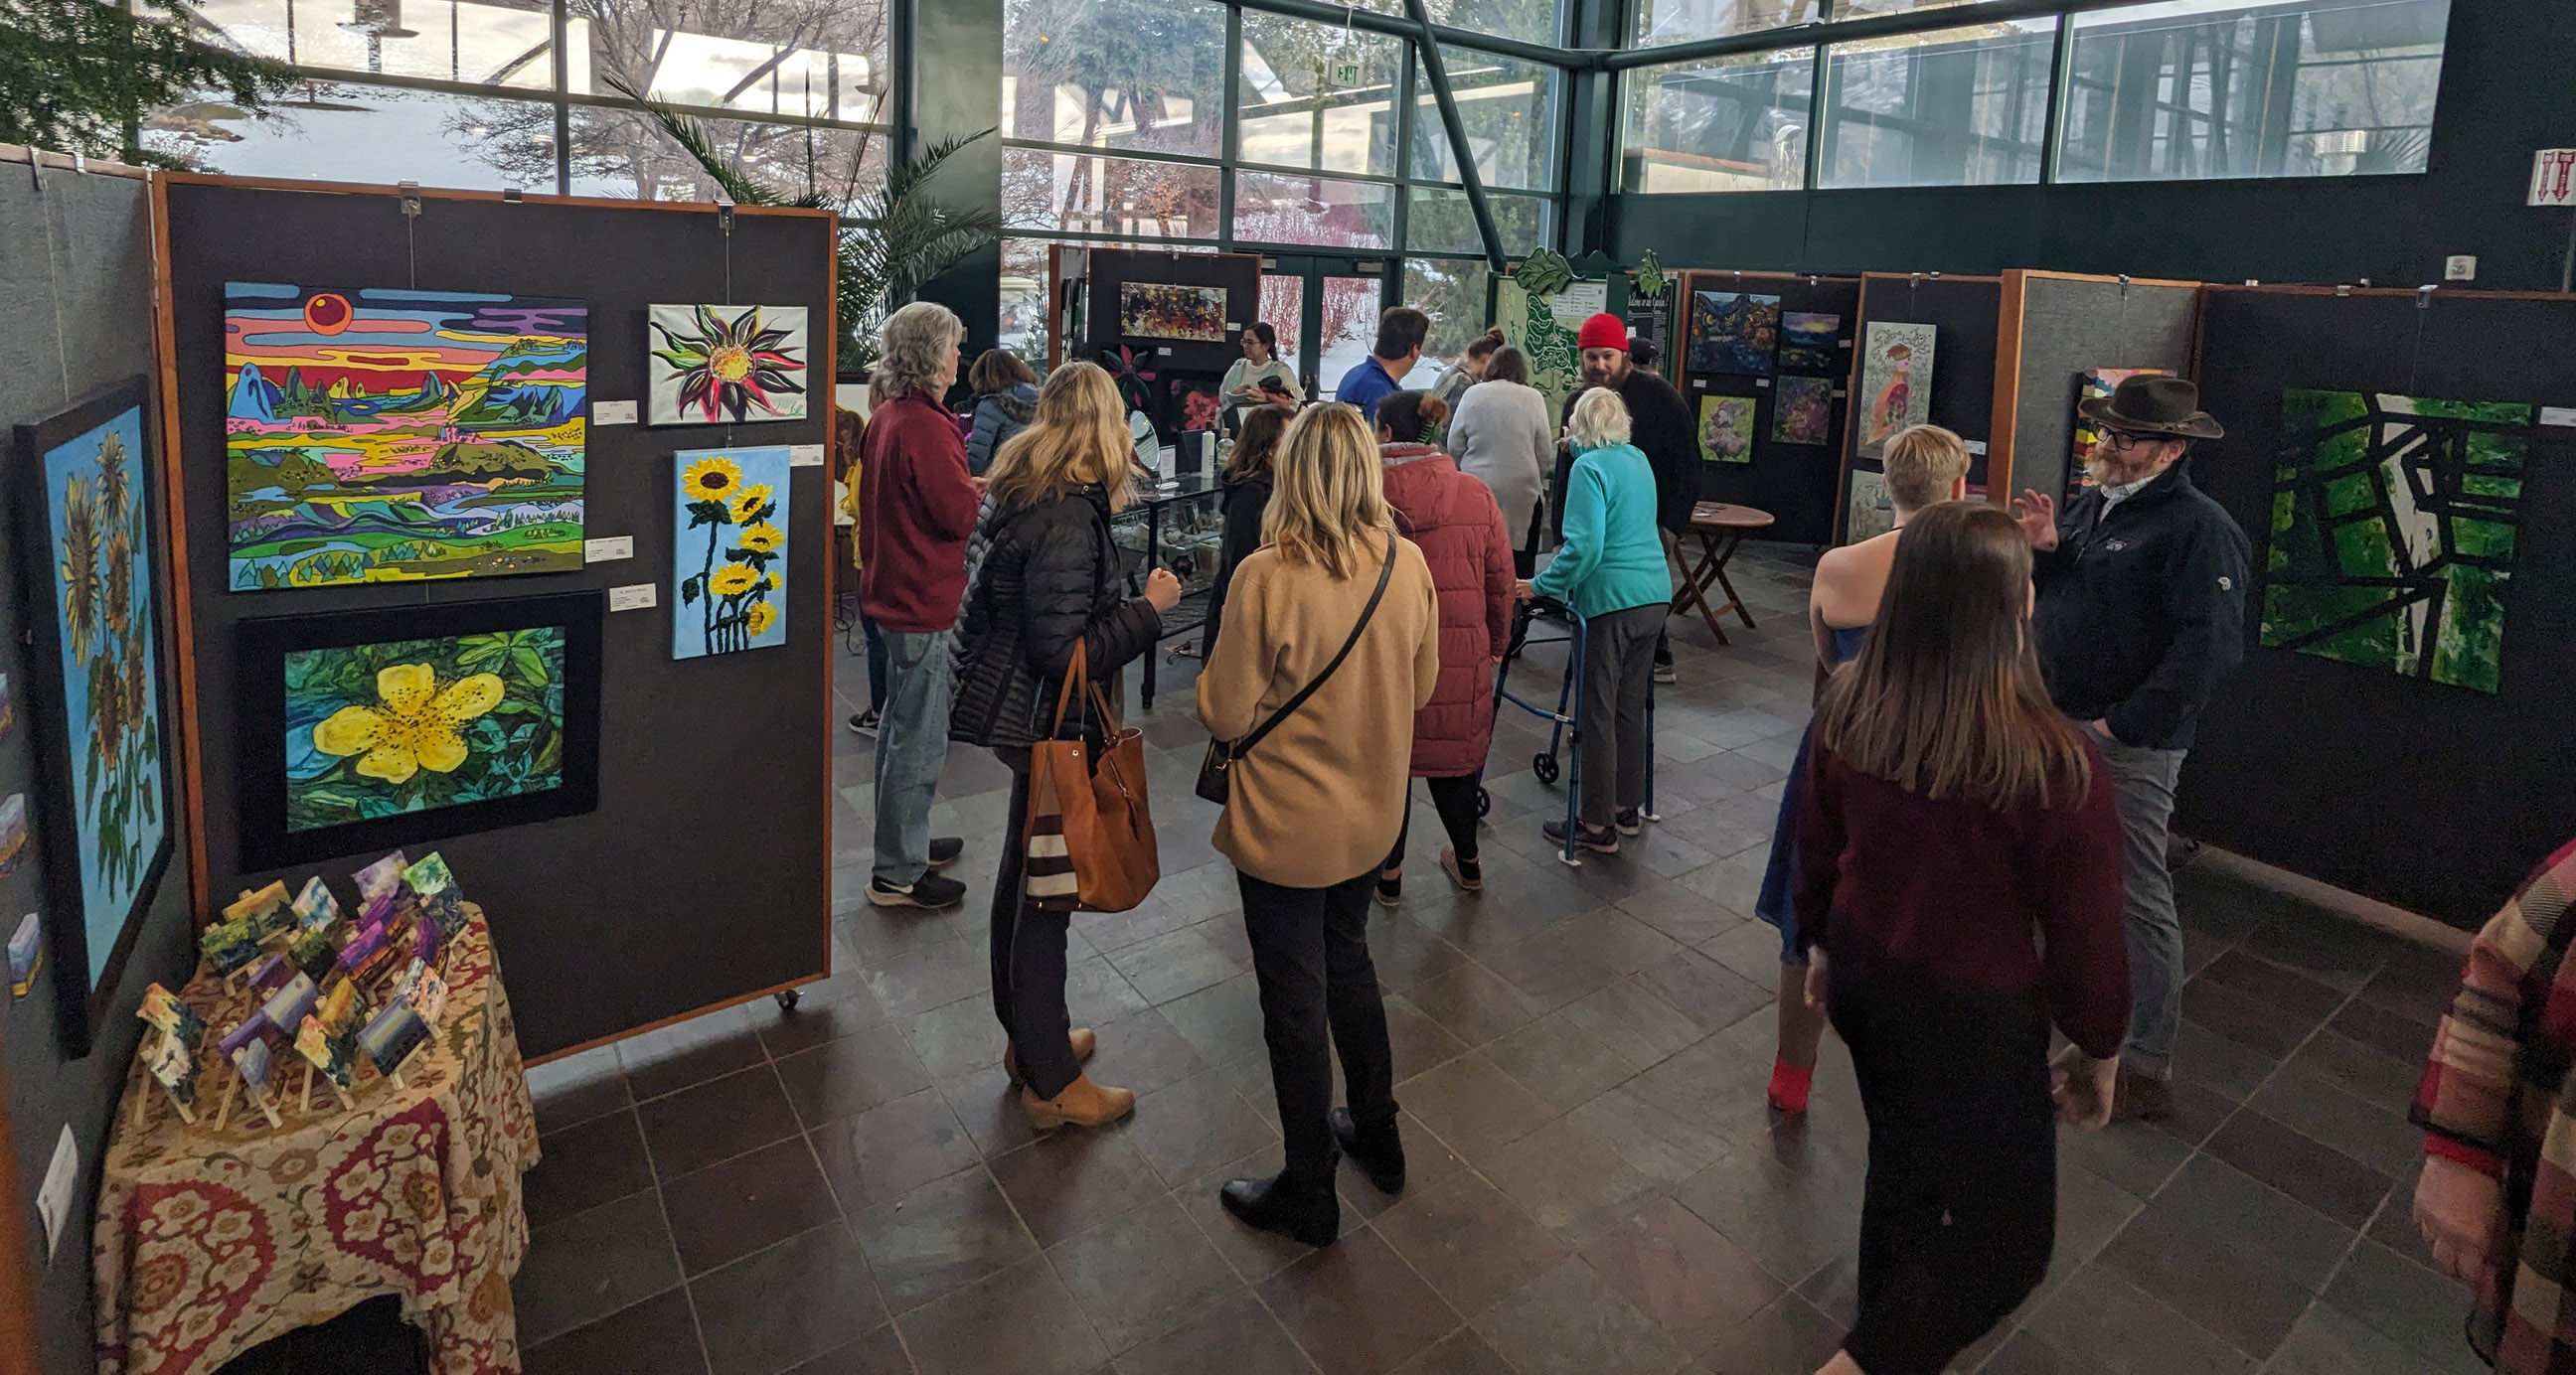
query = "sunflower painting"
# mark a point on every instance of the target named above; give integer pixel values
(725, 365)
(730, 531)
(105, 810)
(376, 730)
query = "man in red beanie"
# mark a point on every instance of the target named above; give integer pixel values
(1660, 425)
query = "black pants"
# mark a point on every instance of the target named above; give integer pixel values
(1455, 800)
(1960, 1212)
(1618, 674)
(1028, 957)
(1310, 955)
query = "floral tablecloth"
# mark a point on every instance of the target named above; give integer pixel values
(211, 1242)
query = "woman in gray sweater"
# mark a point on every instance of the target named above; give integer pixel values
(1501, 435)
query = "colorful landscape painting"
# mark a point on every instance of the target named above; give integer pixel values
(2090, 385)
(1802, 410)
(1895, 381)
(1726, 429)
(1807, 342)
(731, 540)
(724, 365)
(386, 436)
(109, 806)
(1734, 332)
(398, 726)
(1159, 310)
(2393, 532)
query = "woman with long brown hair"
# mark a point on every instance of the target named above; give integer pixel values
(1337, 601)
(1047, 578)
(1245, 496)
(1959, 887)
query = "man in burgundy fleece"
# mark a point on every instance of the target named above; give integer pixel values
(917, 504)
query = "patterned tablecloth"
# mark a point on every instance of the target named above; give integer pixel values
(209, 1243)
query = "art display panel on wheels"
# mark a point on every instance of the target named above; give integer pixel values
(392, 435)
(102, 795)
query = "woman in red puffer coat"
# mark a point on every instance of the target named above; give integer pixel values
(1453, 519)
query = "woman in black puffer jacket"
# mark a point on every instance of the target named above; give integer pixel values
(1045, 577)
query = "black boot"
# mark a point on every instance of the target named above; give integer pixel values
(1379, 1153)
(1279, 1204)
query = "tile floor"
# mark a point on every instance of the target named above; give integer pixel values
(1596, 1183)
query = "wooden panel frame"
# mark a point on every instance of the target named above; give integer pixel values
(2000, 441)
(173, 474)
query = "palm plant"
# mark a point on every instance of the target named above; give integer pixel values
(892, 238)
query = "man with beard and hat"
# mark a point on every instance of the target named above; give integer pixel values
(2141, 584)
(1659, 424)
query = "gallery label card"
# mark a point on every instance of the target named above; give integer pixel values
(1976, 446)
(604, 550)
(612, 412)
(54, 1199)
(636, 597)
(804, 455)
(2564, 416)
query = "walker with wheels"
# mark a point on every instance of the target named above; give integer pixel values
(1565, 729)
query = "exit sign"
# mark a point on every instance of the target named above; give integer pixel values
(2553, 177)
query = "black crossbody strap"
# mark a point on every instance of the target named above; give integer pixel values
(1289, 707)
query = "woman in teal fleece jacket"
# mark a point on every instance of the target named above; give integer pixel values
(1611, 571)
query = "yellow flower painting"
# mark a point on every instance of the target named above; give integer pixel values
(728, 526)
(377, 730)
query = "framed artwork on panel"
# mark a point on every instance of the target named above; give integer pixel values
(392, 436)
(1734, 332)
(102, 794)
(1161, 310)
(2396, 521)
(371, 730)
(725, 365)
(1868, 512)
(729, 588)
(1807, 341)
(1802, 410)
(1895, 381)
(1726, 429)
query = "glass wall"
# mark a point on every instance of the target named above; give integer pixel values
(2222, 88)
(1120, 128)
(2147, 91)
(461, 93)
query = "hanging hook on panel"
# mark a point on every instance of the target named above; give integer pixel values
(410, 193)
(724, 225)
(2343, 291)
(2124, 286)
(2424, 296)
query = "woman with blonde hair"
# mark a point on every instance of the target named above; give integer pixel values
(1611, 571)
(1049, 579)
(1331, 645)
(1959, 861)
(1925, 464)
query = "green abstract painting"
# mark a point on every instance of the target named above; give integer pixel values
(2393, 532)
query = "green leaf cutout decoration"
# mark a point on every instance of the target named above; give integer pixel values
(1544, 273)
(1649, 276)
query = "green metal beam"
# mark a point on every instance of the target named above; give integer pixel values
(1427, 45)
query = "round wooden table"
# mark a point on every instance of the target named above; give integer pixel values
(1721, 527)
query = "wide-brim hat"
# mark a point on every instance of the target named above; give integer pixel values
(2153, 405)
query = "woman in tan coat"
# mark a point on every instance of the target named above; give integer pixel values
(1314, 806)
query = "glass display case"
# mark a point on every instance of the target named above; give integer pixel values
(1178, 527)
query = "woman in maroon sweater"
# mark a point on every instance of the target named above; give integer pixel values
(1959, 861)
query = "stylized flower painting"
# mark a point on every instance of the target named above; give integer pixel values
(731, 578)
(377, 730)
(112, 819)
(718, 365)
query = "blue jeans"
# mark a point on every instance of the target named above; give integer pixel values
(912, 743)
(876, 662)
(2142, 780)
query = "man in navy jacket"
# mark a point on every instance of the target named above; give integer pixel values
(2141, 612)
